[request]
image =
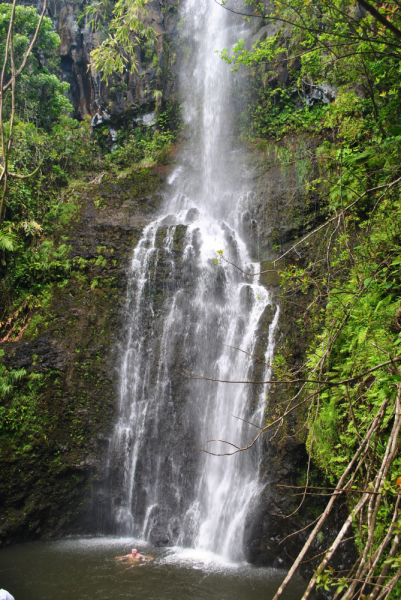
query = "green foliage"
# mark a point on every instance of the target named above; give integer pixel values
(368, 336)
(7, 239)
(8, 379)
(321, 47)
(19, 418)
(40, 95)
(49, 147)
(144, 145)
(39, 265)
(45, 142)
(123, 27)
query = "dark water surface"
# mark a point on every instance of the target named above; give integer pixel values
(84, 568)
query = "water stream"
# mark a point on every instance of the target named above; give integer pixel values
(189, 310)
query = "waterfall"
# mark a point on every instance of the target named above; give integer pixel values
(186, 311)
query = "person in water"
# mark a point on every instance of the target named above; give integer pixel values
(134, 557)
(4, 595)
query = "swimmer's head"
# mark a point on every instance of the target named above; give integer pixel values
(134, 551)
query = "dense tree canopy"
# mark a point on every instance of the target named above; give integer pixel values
(40, 95)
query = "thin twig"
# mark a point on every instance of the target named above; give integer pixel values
(294, 381)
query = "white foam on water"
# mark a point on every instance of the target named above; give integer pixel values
(210, 562)
(197, 559)
(98, 543)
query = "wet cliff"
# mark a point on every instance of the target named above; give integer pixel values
(63, 408)
(115, 99)
(69, 354)
(281, 211)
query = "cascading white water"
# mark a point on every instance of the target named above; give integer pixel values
(184, 311)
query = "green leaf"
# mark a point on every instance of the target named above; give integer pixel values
(394, 378)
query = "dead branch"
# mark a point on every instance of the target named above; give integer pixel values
(276, 422)
(361, 450)
(378, 484)
(248, 353)
(245, 421)
(223, 442)
(390, 586)
(324, 382)
(380, 187)
(374, 505)
(378, 554)
(329, 553)
(299, 531)
(320, 553)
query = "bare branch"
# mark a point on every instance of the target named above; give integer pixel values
(245, 421)
(299, 530)
(223, 442)
(248, 353)
(379, 187)
(381, 18)
(295, 381)
(361, 451)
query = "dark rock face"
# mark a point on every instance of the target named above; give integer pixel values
(42, 351)
(88, 93)
(272, 532)
(281, 209)
(280, 212)
(73, 344)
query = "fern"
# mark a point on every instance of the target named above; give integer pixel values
(8, 240)
(8, 377)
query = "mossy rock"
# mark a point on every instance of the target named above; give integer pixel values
(271, 276)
